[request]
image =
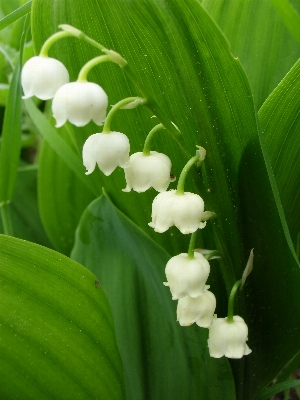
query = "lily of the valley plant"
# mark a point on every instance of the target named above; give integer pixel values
(156, 178)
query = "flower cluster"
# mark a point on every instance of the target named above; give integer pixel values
(187, 273)
(187, 282)
(186, 278)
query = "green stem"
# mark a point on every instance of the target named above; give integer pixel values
(51, 40)
(146, 150)
(113, 55)
(6, 219)
(81, 35)
(191, 254)
(231, 300)
(184, 172)
(115, 108)
(83, 73)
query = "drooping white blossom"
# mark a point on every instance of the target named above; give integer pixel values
(42, 77)
(185, 276)
(185, 211)
(228, 339)
(79, 103)
(199, 309)
(145, 171)
(108, 150)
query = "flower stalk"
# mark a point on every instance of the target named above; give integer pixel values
(184, 172)
(231, 301)
(146, 150)
(191, 251)
(83, 73)
(116, 107)
(50, 42)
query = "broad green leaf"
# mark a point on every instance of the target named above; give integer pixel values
(15, 15)
(161, 359)
(289, 16)
(56, 328)
(184, 61)
(280, 122)
(260, 38)
(62, 198)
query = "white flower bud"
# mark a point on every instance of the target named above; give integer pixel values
(145, 171)
(108, 150)
(42, 77)
(228, 339)
(200, 310)
(79, 102)
(187, 277)
(185, 211)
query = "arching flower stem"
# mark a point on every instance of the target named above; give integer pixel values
(116, 107)
(146, 150)
(192, 245)
(51, 40)
(83, 73)
(231, 300)
(184, 172)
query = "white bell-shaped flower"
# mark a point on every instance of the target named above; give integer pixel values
(185, 211)
(108, 150)
(228, 339)
(42, 77)
(186, 276)
(79, 103)
(199, 309)
(145, 171)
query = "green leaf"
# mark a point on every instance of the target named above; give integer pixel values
(4, 89)
(184, 61)
(274, 389)
(56, 328)
(11, 139)
(260, 38)
(62, 198)
(15, 15)
(161, 359)
(280, 122)
(289, 16)
(11, 134)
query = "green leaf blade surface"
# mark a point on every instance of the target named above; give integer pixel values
(260, 38)
(62, 197)
(57, 331)
(279, 119)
